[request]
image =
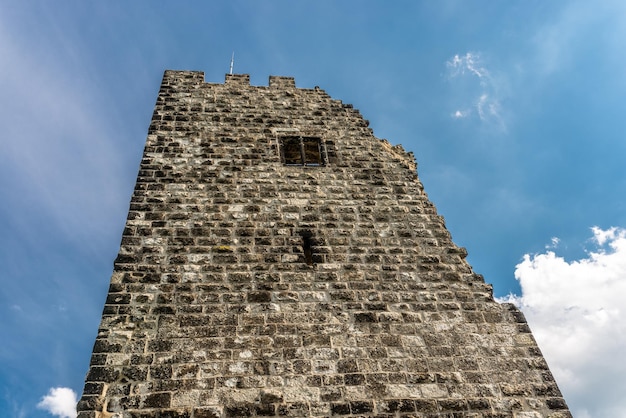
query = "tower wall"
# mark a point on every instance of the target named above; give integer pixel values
(250, 282)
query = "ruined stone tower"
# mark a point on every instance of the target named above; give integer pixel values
(280, 260)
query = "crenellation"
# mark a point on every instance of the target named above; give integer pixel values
(239, 80)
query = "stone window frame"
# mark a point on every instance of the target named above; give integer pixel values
(302, 148)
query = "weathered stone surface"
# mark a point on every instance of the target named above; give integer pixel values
(279, 260)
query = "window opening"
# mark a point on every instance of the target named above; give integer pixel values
(291, 151)
(311, 151)
(303, 151)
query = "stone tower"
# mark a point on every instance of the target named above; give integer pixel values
(280, 260)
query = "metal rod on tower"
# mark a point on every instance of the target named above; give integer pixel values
(232, 62)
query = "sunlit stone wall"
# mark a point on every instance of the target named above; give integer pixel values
(253, 280)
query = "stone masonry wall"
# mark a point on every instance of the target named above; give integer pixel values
(247, 287)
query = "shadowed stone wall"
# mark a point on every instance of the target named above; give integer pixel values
(325, 287)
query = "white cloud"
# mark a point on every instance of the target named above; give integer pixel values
(488, 107)
(477, 89)
(554, 242)
(460, 114)
(602, 237)
(577, 313)
(468, 63)
(60, 402)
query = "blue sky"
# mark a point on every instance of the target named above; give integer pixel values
(514, 111)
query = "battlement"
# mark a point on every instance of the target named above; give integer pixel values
(172, 77)
(237, 79)
(282, 82)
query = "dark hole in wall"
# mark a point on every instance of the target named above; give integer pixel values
(307, 246)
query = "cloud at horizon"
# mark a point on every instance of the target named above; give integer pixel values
(577, 314)
(60, 402)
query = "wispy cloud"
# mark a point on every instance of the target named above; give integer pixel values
(63, 182)
(554, 243)
(460, 114)
(61, 160)
(576, 311)
(488, 107)
(466, 64)
(480, 93)
(60, 402)
(576, 24)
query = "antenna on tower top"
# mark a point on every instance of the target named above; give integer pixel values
(232, 63)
